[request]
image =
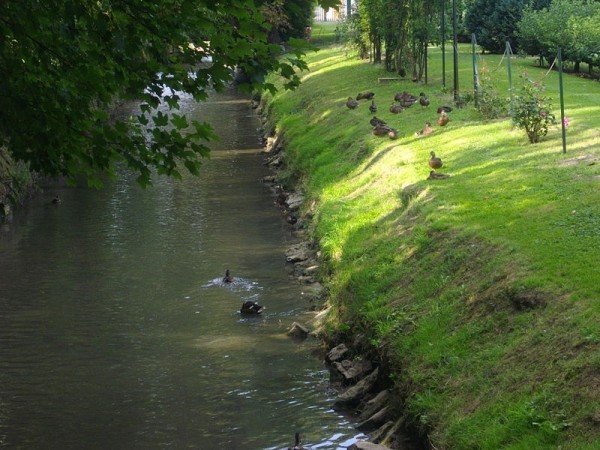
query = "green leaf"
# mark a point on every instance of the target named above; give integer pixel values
(179, 122)
(160, 119)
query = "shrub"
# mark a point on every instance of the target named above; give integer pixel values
(532, 110)
(489, 103)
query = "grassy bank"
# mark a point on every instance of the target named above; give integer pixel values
(483, 288)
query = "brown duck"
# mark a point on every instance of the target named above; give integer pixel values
(406, 96)
(395, 109)
(443, 119)
(365, 95)
(435, 162)
(351, 103)
(381, 130)
(377, 121)
(426, 130)
(423, 100)
(433, 175)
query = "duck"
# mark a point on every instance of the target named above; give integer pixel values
(433, 175)
(376, 121)
(435, 162)
(395, 109)
(227, 278)
(406, 96)
(443, 119)
(56, 200)
(365, 95)
(423, 100)
(249, 307)
(381, 130)
(297, 445)
(407, 102)
(351, 103)
(446, 109)
(290, 218)
(426, 130)
(373, 107)
(460, 102)
(393, 133)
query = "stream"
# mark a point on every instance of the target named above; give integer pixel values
(116, 331)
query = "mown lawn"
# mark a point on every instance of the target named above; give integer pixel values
(483, 288)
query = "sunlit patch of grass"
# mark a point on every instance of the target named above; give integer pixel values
(485, 285)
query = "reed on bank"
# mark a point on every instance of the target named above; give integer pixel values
(482, 288)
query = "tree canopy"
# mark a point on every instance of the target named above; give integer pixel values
(494, 22)
(572, 25)
(399, 28)
(64, 62)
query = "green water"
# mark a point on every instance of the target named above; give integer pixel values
(116, 332)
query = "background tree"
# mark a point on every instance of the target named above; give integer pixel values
(401, 29)
(350, 32)
(587, 31)
(494, 22)
(571, 25)
(372, 24)
(395, 36)
(300, 14)
(64, 62)
(289, 18)
(275, 15)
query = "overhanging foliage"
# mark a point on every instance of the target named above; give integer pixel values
(64, 62)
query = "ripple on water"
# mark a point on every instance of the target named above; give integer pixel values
(238, 284)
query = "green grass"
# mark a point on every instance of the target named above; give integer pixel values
(484, 287)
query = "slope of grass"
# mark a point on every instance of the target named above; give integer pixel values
(483, 288)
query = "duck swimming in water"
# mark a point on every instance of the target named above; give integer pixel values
(249, 307)
(297, 445)
(227, 278)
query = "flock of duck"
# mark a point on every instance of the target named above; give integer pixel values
(402, 101)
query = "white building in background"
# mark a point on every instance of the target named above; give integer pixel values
(330, 15)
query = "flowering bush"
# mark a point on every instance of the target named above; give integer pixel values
(531, 110)
(489, 103)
